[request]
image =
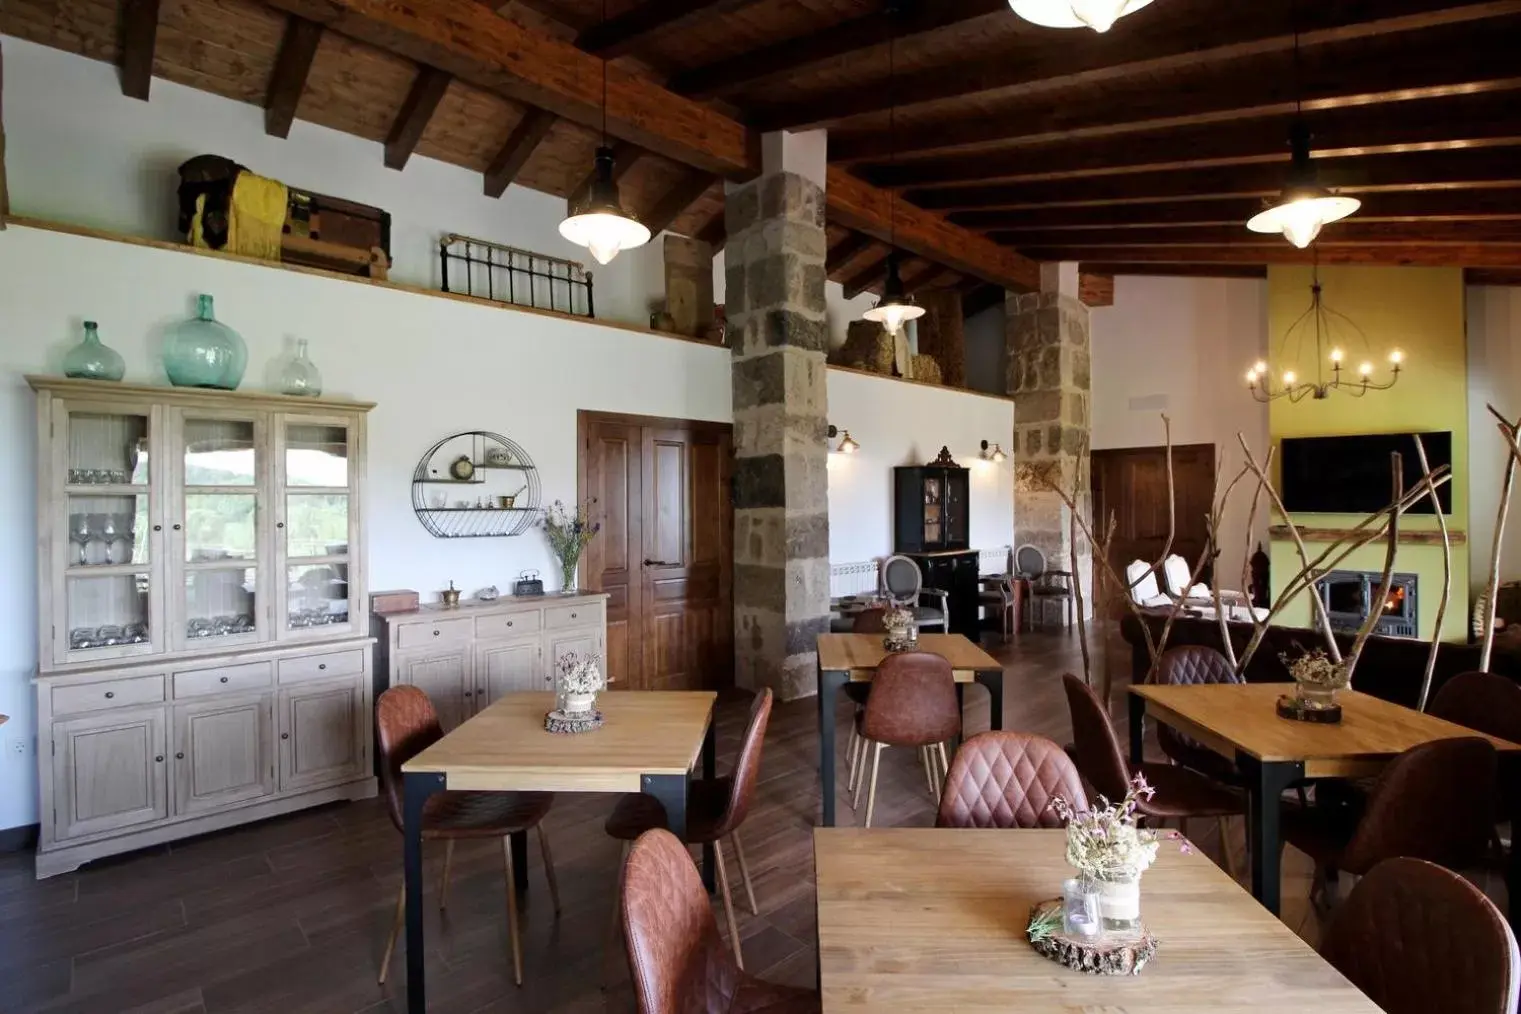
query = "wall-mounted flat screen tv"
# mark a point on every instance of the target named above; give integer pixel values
(1350, 475)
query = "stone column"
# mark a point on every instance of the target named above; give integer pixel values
(1049, 378)
(774, 280)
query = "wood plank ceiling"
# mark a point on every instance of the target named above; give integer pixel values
(1143, 150)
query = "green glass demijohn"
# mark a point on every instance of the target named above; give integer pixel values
(203, 352)
(91, 360)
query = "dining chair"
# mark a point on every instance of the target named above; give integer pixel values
(1418, 939)
(1004, 596)
(1045, 583)
(913, 703)
(405, 726)
(1007, 780)
(867, 621)
(1182, 794)
(1491, 704)
(903, 583)
(716, 807)
(676, 956)
(1435, 802)
(1195, 665)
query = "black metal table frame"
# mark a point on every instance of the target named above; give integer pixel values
(831, 681)
(670, 790)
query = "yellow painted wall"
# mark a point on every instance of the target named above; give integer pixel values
(1418, 310)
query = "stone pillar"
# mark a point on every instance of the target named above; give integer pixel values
(774, 280)
(1049, 378)
(688, 284)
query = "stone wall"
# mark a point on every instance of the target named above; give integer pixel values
(942, 334)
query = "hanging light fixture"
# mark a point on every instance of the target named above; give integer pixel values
(596, 219)
(1099, 15)
(896, 307)
(1305, 206)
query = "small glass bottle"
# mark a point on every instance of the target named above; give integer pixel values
(300, 376)
(91, 360)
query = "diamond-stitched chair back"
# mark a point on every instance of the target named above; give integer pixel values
(1194, 665)
(1007, 780)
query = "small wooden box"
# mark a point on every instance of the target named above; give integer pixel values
(402, 600)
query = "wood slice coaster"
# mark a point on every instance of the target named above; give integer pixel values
(559, 721)
(1294, 709)
(1109, 954)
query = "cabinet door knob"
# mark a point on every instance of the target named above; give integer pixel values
(321, 665)
(176, 527)
(509, 623)
(285, 735)
(572, 615)
(179, 756)
(279, 524)
(480, 692)
(158, 528)
(435, 633)
(110, 694)
(159, 759)
(224, 679)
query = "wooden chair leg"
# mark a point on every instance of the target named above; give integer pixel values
(723, 887)
(744, 872)
(945, 771)
(401, 907)
(927, 765)
(614, 925)
(512, 911)
(549, 868)
(855, 798)
(443, 881)
(871, 796)
(1223, 825)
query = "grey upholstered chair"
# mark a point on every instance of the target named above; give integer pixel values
(903, 582)
(1046, 583)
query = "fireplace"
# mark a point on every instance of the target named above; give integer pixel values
(1347, 595)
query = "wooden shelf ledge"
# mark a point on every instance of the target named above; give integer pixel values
(1280, 533)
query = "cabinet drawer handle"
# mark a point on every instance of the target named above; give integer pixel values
(436, 633)
(572, 615)
(479, 692)
(224, 679)
(179, 756)
(285, 735)
(110, 694)
(509, 623)
(159, 759)
(321, 665)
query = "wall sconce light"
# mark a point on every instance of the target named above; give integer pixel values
(996, 455)
(847, 444)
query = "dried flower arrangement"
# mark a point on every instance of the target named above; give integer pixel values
(569, 531)
(580, 674)
(1105, 843)
(1316, 669)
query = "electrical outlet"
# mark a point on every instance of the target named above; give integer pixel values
(18, 746)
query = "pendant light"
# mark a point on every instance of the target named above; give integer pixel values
(1305, 206)
(896, 307)
(596, 219)
(1099, 15)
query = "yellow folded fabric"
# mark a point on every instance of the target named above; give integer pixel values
(258, 216)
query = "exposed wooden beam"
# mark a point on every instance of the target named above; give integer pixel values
(621, 34)
(517, 150)
(1352, 230)
(298, 48)
(1492, 276)
(1177, 270)
(1095, 289)
(872, 272)
(714, 232)
(857, 205)
(935, 276)
(1183, 34)
(913, 272)
(427, 92)
(1501, 255)
(1450, 61)
(839, 254)
(678, 199)
(733, 72)
(982, 299)
(138, 37)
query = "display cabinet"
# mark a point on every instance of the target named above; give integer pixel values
(931, 508)
(200, 561)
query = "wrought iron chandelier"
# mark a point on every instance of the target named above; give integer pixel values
(1099, 15)
(1317, 323)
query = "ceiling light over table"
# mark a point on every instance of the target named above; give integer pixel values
(1098, 15)
(895, 308)
(1304, 207)
(597, 220)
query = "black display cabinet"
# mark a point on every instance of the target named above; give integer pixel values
(931, 509)
(954, 572)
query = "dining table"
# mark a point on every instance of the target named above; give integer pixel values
(853, 658)
(1240, 722)
(649, 742)
(934, 919)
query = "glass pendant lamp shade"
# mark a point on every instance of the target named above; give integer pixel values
(1099, 15)
(597, 220)
(1305, 207)
(895, 308)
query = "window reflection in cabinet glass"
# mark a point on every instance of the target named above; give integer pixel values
(317, 595)
(107, 530)
(219, 526)
(220, 602)
(220, 452)
(105, 612)
(316, 455)
(107, 449)
(316, 524)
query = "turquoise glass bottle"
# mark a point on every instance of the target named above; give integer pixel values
(91, 360)
(203, 352)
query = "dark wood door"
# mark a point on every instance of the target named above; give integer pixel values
(665, 554)
(1130, 485)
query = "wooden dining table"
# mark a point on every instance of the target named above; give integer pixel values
(1239, 722)
(649, 742)
(853, 658)
(920, 920)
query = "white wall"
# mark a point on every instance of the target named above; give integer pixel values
(79, 151)
(1494, 377)
(906, 424)
(1181, 346)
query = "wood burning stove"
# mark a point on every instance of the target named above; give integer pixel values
(1349, 594)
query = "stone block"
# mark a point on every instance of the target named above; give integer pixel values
(759, 380)
(760, 589)
(741, 209)
(1074, 411)
(808, 482)
(760, 482)
(1082, 370)
(783, 280)
(799, 677)
(803, 634)
(1037, 407)
(773, 429)
(807, 536)
(807, 588)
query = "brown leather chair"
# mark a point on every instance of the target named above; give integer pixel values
(678, 960)
(715, 809)
(1181, 794)
(1007, 780)
(1490, 704)
(406, 725)
(1418, 939)
(1195, 665)
(1434, 802)
(867, 621)
(913, 703)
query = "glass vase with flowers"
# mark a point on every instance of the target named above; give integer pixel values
(569, 531)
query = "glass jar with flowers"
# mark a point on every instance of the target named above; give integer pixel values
(578, 680)
(1316, 679)
(569, 531)
(1110, 851)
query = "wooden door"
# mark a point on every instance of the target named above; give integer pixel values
(109, 772)
(507, 668)
(223, 753)
(445, 676)
(665, 554)
(323, 728)
(1130, 484)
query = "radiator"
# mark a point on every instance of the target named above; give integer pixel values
(853, 578)
(993, 561)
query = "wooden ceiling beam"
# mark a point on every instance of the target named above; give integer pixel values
(873, 271)
(678, 199)
(730, 73)
(1352, 230)
(840, 253)
(1176, 270)
(422, 100)
(517, 150)
(137, 39)
(1181, 35)
(936, 277)
(1501, 255)
(298, 48)
(915, 272)
(1492, 276)
(622, 34)
(982, 299)
(714, 232)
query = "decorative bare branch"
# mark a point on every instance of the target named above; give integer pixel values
(1397, 485)
(1077, 596)
(1441, 613)
(1508, 430)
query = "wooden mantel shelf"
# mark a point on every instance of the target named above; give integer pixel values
(1411, 538)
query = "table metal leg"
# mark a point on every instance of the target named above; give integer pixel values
(1137, 729)
(1513, 869)
(829, 692)
(416, 788)
(709, 771)
(993, 680)
(960, 710)
(670, 791)
(1266, 782)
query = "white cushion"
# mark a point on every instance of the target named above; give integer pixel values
(1175, 570)
(1145, 593)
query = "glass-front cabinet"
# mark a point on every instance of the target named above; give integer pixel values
(931, 509)
(316, 523)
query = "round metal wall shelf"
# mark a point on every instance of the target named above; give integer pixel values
(470, 508)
